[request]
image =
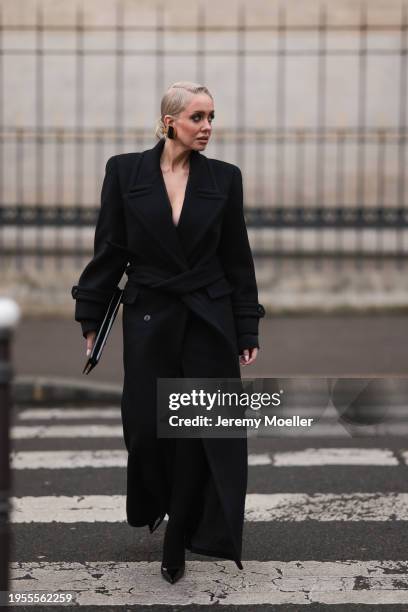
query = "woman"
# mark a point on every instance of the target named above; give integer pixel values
(190, 310)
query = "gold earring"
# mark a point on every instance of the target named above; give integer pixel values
(171, 132)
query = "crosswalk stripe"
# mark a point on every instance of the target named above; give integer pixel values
(326, 429)
(112, 412)
(331, 428)
(71, 459)
(327, 507)
(259, 459)
(221, 582)
(336, 456)
(24, 432)
(259, 507)
(54, 460)
(40, 414)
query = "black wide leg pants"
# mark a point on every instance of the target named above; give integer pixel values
(189, 473)
(187, 467)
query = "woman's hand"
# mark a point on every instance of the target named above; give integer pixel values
(248, 356)
(90, 339)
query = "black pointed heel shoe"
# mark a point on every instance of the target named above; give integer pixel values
(173, 559)
(174, 573)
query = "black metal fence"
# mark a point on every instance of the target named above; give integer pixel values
(313, 187)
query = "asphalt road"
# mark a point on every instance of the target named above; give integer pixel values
(312, 345)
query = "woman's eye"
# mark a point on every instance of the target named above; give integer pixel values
(198, 117)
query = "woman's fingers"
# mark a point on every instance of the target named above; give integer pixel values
(248, 356)
(90, 339)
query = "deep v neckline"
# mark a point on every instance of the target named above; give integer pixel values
(175, 225)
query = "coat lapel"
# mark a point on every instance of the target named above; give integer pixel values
(148, 199)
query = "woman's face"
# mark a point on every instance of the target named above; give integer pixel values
(193, 124)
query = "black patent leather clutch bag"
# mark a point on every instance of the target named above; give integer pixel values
(103, 330)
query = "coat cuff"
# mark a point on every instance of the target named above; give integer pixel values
(247, 326)
(90, 303)
(248, 309)
(247, 341)
(91, 295)
(247, 315)
(88, 325)
(247, 318)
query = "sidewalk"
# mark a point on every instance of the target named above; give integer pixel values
(320, 345)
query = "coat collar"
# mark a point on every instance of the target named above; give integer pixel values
(148, 199)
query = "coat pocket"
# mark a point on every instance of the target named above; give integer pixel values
(214, 194)
(219, 288)
(140, 189)
(130, 294)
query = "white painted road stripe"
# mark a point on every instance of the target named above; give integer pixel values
(41, 414)
(66, 431)
(336, 456)
(325, 429)
(327, 507)
(259, 507)
(112, 412)
(53, 460)
(331, 428)
(113, 583)
(258, 459)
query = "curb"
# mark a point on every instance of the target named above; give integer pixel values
(40, 390)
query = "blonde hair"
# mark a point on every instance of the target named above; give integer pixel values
(175, 101)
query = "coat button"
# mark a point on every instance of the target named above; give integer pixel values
(146, 317)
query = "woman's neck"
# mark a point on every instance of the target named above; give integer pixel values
(174, 157)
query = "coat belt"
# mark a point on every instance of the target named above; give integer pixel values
(185, 282)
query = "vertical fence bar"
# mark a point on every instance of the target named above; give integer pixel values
(59, 194)
(280, 118)
(201, 43)
(361, 128)
(321, 123)
(339, 189)
(300, 187)
(20, 195)
(240, 97)
(380, 195)
(39, 129)
(259, 174)
(119, 77)
(159, 52)
(79, 127)
(402, 129)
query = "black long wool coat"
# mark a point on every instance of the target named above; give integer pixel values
(202, 266)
